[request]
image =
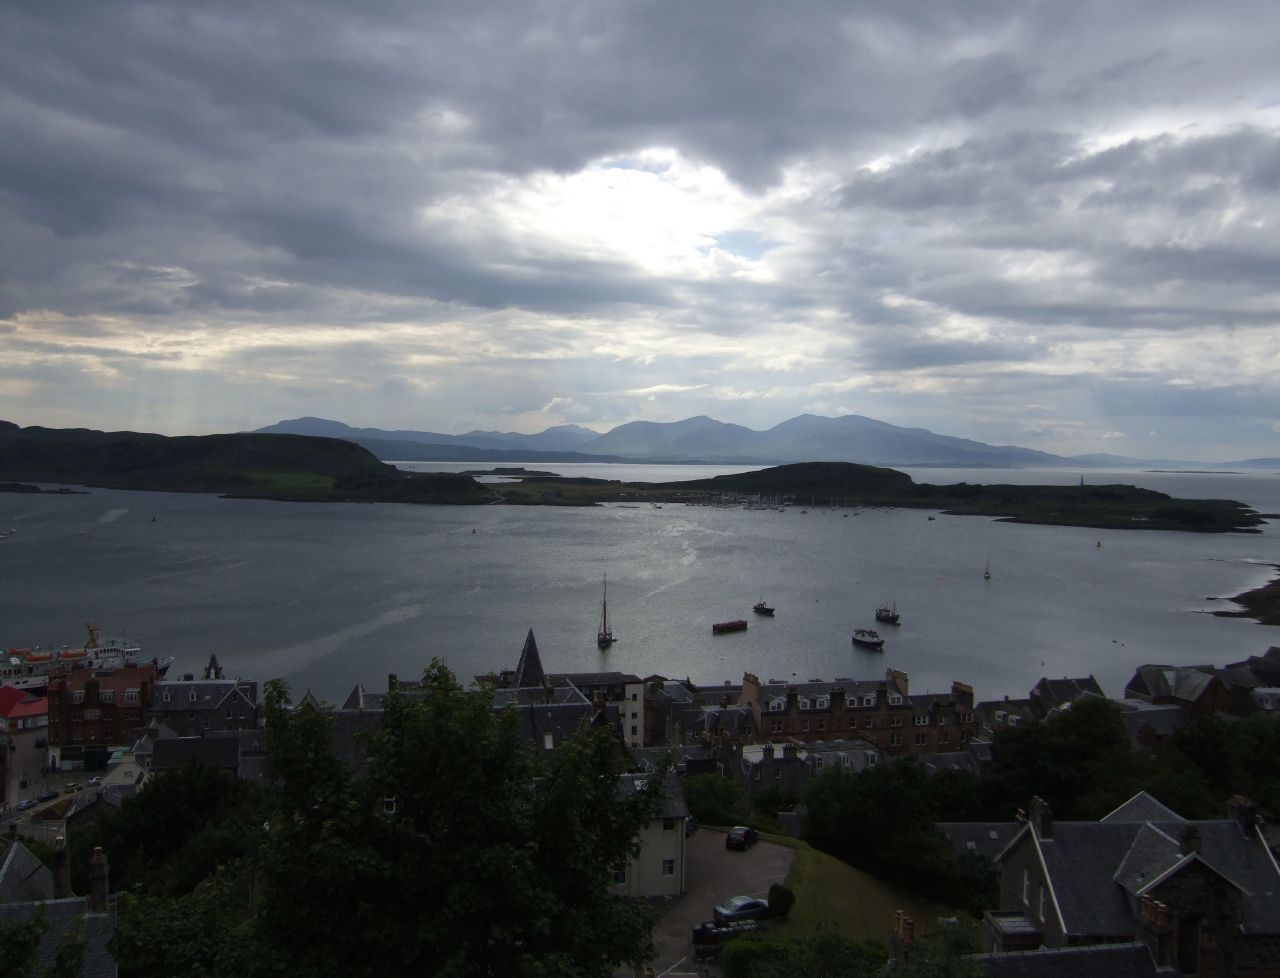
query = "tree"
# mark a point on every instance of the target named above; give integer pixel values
(715, 800)
(461, 853)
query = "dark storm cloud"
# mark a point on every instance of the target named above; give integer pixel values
(941, 187)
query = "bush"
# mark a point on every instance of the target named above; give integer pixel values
(781, 899)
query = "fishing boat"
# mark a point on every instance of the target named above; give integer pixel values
(867, 638)
(736, 625)
(888, 614)
(760, 608)
(604, 634)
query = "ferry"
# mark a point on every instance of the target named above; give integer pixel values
(30, 668)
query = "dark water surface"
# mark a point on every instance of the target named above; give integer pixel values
(327, 595)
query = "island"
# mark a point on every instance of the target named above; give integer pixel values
(316, 469)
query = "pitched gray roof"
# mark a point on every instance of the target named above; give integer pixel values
(984, 838)
(1142, 807)
(67, 917)
(529, 670)
(218, 752)
(24, 877)
(1096, 961)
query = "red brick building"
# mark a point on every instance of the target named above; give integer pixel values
(92, 712)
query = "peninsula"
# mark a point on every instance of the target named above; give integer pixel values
(316, 469)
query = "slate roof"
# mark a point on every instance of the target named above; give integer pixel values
(984, 838)
(1048, 693)
(529, 670)
(673, 803)
(1095, 869)
(65, 917)
(1142, 807)
(1180, 682)
(23, 877)
(595, 678)
(218, 752)
(1094, 961)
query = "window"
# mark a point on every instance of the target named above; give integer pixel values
(804, 725)
(869, 723)
(942, 719)
(131, 695)
(895, 740)
(822, 723)
(944, 737)
(776, 706)
(634, 730)
(668, 825)
(775, 726)
(966, 718)
(844, 760)
(823, 702)
(921, 719)
(166, 697)
(817, 762)
(633, 697)
(803, 702)
(777, 774)
(106, 696)
(868, 701)
(77, 696)
(922, 738)
(668, 867)
(548, 741)
(895, 699)
(228, 713)
(191, 696)
(851, 701)
(620, 875)
(895, 721)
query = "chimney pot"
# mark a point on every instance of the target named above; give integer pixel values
(98, 881)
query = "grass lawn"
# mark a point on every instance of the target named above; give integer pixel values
(856, 906)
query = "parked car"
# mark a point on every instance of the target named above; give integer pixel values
(24, 805)
(71, 788)
(740, 908)
(94, 781)
(47, 796)
(708, 937)
(740, 837)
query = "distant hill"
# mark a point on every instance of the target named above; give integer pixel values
(558, 441)
(807, 438)
(275, 466)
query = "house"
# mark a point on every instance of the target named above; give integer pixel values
(1203, 895)
(790, 766)
(191, 707)
(658, 869)
(20, 710)
(1048, 694)
(27, 888)
(1150, 724)
(1194, 688)
(93, 711)
(881, 712)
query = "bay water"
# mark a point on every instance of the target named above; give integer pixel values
(329, 595)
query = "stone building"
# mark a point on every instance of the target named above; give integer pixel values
(91, 712)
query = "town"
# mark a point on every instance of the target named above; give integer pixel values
(1140, 884)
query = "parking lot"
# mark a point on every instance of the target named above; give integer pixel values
(713, 874)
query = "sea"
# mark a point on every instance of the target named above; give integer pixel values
(330, 595)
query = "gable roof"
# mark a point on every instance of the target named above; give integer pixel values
(1093, 961)
(1142, 807)
(529, 671)
(67, 917)
(23, 877)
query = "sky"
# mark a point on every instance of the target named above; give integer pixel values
(1033, 223)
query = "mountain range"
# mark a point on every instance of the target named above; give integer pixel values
(807, 438)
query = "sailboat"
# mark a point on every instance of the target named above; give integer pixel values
(986, 574)
(604, 634)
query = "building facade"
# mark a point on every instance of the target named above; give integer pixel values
(92, 712)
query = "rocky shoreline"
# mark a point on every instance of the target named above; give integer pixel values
(1262, 603)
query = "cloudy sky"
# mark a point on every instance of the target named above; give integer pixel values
(1046, 224)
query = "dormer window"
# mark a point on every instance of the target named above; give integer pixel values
(803, 701)
(851, 701)
(823, 702)
(868, 701)
(776, 706)
(895, 699)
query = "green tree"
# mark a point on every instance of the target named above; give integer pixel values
(715, 800)
(462, 853)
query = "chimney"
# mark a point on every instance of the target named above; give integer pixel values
(767, 753)
(1042, 817)
(1242, 810)
(98, 881)
(61, 870)
(1190, 840)
(392, 682)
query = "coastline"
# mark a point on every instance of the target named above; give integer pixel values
(1262, 603)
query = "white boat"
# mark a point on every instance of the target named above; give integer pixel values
(30, 668)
